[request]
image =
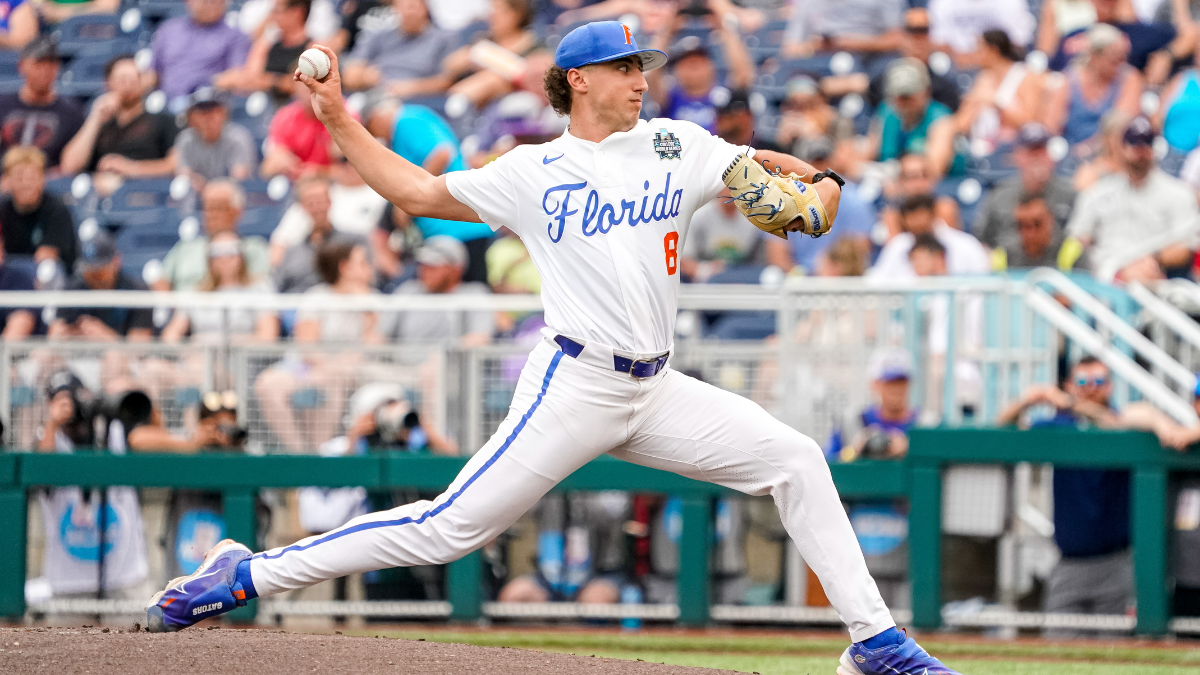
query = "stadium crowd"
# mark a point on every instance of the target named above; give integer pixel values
(163, 144)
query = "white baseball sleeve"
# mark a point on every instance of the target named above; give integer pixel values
(489, 191)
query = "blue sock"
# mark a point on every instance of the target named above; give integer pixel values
(888, 637)
(243, 578)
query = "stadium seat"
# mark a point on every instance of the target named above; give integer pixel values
(10, 79)
(742, 326)
(161, 9)
(84, 75)
(94, 31)
(260, 193)
(133, 240)
(139, 193)
(260, 221)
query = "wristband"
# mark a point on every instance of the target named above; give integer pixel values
(829, 173)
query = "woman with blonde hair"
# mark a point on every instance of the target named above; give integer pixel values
(227, 273)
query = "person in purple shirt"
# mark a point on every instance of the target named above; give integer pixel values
(692, 91)
(189, 50)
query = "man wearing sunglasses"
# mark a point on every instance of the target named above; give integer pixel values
(1091, 506)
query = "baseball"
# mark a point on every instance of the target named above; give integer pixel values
(314, 63)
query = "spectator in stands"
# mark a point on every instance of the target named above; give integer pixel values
(18, 23)
(187, 263)
(227, 273)
(1091, 506)
(866, 27)
(53, 12)
(354, 208)
(735, 122)
(718, 240)
(211, 146)
(903, 124)
(856, 216)
(964, 254)
(509, 28)
(394, 241)
(70, 514)
(273, 59)
(189, 51)
(406, 60)
(843, 258)
(1107, 158)
(345, 271)
(1163, 207)
(295, 268)
(1179, 114)
(36, 115)
(297, 142)
(99, 269)
(1060, 18)
(1099, 82)
(808, 116)
(256, 18)
(440, 264)
(358, 18)
(120, 136)
(916, 178)
(423, 138)
(510, 269)
(1038, 234)
(915, 44)
(33, 222)
(996, 225)
(1005, 96)
(690, 90)
(959, 24)
(884, 425)
(584, 554)
(15, 323)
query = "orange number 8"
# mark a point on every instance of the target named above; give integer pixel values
(671, 247)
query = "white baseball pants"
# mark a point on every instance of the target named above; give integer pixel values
(568, 411)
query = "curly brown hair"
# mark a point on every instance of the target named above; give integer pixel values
(558, 91)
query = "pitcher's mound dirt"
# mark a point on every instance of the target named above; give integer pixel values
(199, 651)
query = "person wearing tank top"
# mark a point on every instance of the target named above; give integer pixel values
(1179, 116)
(1004, 97)
(1097, 83)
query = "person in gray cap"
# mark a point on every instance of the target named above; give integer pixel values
(36, 115)
(904, 123)
(996, 224)
(99, 269)
(1140, 222)
(211, 146)
(440, 264)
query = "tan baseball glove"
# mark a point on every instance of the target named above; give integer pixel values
(775, 203)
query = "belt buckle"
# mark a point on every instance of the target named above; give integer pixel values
(657, 361)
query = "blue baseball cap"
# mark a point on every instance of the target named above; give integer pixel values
(602, 41)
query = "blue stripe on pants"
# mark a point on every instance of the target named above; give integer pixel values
(442, 507)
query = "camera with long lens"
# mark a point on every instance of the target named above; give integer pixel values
(93, 414)
(224, 403)
(394, 421)
(876, 446)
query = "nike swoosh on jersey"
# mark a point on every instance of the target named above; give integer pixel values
(547, 159)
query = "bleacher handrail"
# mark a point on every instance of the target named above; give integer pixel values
(1167, 313)
(1121, 329)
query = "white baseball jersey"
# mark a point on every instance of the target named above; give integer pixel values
(604, 223)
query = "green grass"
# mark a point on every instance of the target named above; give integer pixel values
(786, 655)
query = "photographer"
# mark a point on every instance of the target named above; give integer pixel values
(885, 425)
(78, 521)
(195, 521)
(379, 419)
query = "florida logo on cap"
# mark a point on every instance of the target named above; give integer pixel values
(628, 35)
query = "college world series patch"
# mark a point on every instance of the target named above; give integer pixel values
(666, 145)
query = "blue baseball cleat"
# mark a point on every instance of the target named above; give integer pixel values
(209, 591)
(906, 658)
